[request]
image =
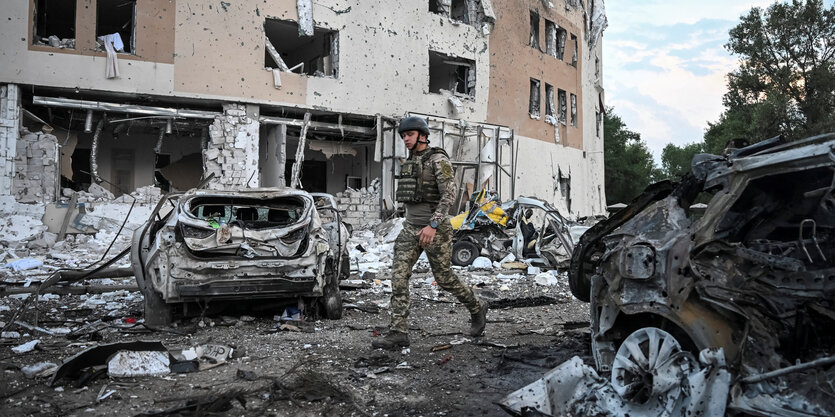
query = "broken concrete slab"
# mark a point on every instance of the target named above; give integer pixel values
(126, 363)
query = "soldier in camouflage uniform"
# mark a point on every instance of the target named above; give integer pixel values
(427, 190)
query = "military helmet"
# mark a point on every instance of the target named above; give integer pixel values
(413, 123)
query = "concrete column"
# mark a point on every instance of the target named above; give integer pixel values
(9, 133)
(275, 157)
(232, 152)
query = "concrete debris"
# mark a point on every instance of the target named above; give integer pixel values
(482, 263)
(26, 347)
(24, 264)
(125, 364)
(40, 369)
(545, 278)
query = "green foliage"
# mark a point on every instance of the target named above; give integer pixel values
(786, 80)
(629, 167)
(675, 161)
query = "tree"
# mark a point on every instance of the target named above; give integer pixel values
(786, 80)
(675, 160)
(628, 163)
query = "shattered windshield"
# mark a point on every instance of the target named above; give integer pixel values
(246, 212)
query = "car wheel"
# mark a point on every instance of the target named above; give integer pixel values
(464, 253)
(647, 365)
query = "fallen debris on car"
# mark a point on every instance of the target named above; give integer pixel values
(750, 283)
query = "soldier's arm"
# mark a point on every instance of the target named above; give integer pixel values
(445, 178)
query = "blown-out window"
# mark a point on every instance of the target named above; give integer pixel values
(54, 23)
(116, 18)
(316, 55)
(451, 73)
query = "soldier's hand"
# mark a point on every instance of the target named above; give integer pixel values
(425, 236)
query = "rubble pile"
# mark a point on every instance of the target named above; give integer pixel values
(361, 207)
(56, 42)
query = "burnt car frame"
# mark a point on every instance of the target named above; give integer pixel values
(549, 235)
(754, 275)
(251, 244)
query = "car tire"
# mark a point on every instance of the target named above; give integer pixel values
(580, 286)
(464, 253)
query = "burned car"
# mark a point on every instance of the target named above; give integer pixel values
(753, 276)
(240, 245)
(527, 227)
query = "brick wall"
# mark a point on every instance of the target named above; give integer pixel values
(361, 208)
(232, 151)
(36, 167)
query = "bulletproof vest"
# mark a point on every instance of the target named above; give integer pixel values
(413, 186)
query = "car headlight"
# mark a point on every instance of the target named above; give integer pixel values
(638, 261)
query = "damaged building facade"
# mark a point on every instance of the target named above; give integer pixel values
(126, 94)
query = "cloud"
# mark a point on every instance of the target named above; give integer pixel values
(667, 80)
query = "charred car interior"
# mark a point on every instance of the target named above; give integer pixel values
(206, 245)
(752, 279)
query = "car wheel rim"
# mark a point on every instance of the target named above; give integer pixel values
(648, 364)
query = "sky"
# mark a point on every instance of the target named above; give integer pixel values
(664, 65)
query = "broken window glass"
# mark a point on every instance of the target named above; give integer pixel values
(116, 20)
(316, 55)
(535, 30)
(533, 106)
(54, 23)
(460, 11)
(561, 34)
(451, 73)
(550, 38)
(576, 47)
(440, 6)
(562, 103)
(549, 100)
(573, 110)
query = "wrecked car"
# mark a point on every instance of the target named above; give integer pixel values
(751, 279)
(240, 245)
(527, 227)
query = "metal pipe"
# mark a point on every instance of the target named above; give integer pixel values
(123, 108)
(88, 122)
(94, 152)
(790, 369)
(323, 126)
(168, 126)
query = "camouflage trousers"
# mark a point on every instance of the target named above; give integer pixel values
(407, 250)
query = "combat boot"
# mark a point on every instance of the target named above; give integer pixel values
(479, 321)
(392, 341)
